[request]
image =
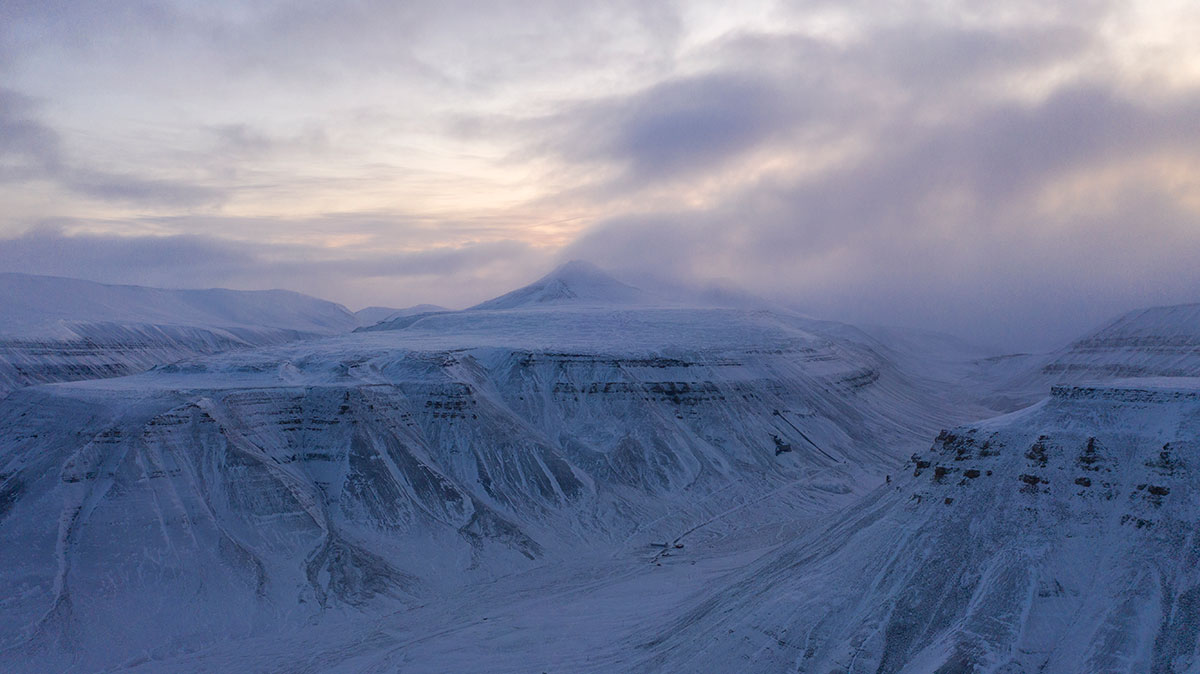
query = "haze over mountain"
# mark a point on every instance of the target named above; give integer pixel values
(1006, 172)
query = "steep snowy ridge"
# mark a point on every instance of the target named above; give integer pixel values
(57, 329)
(1060, 538)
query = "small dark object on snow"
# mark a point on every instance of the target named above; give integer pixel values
(780, 445)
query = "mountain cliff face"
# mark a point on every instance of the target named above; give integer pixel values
(55, 329)
(1060, 538)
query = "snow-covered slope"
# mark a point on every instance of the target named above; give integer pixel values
(1154, 342)
(58, 329)
(260, 491)
(1057, 539)
(373, 315)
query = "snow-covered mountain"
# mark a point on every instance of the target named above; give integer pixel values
(588, 477)
(59, 329)
(1056, 539)
(261, 490)
(576, 282)
(373, 315)
(1154, 342)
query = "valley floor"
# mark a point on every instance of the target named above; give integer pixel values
(594, 614)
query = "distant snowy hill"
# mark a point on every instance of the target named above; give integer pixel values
(1154, 342)
(59, 329)
(373, 315)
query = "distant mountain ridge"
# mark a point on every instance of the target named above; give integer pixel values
(575, 284)
(41, 306)
(372, 315)
(364, 472)
(59, 329)
(1161, 341)
(1154, 342)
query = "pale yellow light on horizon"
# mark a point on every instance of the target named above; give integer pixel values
(1156, 42)
(1103, 189)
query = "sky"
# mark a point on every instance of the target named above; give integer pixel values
(1011, 172)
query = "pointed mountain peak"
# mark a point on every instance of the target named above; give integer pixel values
(577, 269)
(575, 282)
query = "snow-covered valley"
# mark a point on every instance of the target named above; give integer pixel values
(582, 476)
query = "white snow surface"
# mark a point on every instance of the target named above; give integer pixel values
(347, 479)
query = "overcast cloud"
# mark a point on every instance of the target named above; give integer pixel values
(1012, 173)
